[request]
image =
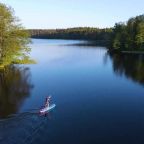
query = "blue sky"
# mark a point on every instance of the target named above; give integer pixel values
(74, 13)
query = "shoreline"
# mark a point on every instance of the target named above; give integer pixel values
(126, 52)
(133, 52)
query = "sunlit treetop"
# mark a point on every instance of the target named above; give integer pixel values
(14, 39)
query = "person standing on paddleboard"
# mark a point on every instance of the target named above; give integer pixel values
(47, 101)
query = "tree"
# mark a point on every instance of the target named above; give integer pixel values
(14, 39)
(140, 35)
(129, 36)
(119, 36)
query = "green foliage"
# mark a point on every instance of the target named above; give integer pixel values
(140, 35)
(130, 35)
(13, 38)
(123, 36)
(102, 36)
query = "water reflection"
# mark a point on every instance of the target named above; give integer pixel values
(15, 87)
(129, 65)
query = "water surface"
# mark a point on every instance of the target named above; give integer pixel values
(99, 96)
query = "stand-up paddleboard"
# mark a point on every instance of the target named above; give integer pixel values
(47, 109)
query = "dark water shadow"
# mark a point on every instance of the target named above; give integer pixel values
(15, 87)
(129, 65)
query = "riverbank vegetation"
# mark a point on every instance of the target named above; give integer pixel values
(14, 39)
(129, 36)
(101, 36)
(124, 36)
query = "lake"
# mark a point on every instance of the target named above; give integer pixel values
(99, 96)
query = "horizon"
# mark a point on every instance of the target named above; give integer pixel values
(73, 14)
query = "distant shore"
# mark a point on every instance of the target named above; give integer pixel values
(126, 52)
(133, 52)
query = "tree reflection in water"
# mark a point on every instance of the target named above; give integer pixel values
(129, 65)
(15, 87)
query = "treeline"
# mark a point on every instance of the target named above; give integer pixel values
(123, 36)
(130, 35)
(101, 36)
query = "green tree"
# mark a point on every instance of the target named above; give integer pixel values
(129, 36)
(119, 36)
(14, 39)
(140, 35)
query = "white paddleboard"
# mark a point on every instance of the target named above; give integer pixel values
(46, 109)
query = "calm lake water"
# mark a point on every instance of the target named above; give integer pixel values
(99, 96)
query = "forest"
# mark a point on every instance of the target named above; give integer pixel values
(123, 36)
(130, 35)
(101, 36)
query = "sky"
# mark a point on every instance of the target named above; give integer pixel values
(52, 14)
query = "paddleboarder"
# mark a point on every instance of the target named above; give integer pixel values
(47, 101)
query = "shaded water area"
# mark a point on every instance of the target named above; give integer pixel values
(99, 96)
